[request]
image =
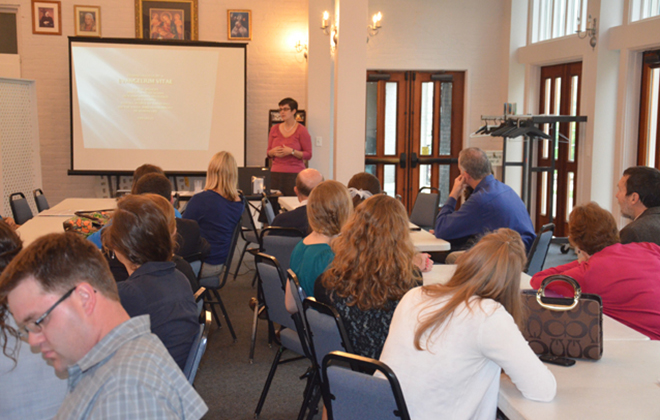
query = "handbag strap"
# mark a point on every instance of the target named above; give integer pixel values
(555, 307)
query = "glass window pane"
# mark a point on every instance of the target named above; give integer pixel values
(445, 117)
(554, 195)
(389, 183)
(424, 176)
(652, 128)
(557, 111)
(371, 169)
(444, 182)
(544, 193)
(572, 129)
(372, 118)
(546, 110)
(570, 194)
(426, 120)
(390, 117)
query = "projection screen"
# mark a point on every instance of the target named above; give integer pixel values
(170, 104)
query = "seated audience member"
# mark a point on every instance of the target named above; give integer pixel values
(625, 276)
(9, 221)
(492, 205)
(306, 180)
(63, 297)
(328, 208)
(139, 172)
(639, 199)
(373, 268)
(217, 210)
(29, 388)
(362, 186)
(141, 239)
(186, 233)
(449, 343)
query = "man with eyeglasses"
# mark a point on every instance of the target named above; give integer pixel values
(64, 298)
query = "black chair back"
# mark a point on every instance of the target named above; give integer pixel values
(280, 242)
(198, 349)
(425, 210)
(539, 249)
(351, 394)
(20, 208)
(325, 329)
(40, 200)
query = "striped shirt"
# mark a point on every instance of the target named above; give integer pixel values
(130, 374)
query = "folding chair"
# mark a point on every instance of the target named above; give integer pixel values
(325, 333)
(273, 281)
(351, 394)
(40, 200)
(425, 209)
(539, 249)
(279, 243)
(267, 208)
(214, 283)
(248, 232)
(197, 349)
(20, 208)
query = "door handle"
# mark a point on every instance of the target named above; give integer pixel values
(413, 160)
(402, 161)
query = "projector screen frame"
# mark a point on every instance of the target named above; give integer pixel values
(135, 41)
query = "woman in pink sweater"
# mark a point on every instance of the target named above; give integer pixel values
(625, 276)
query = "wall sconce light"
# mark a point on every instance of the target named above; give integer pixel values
(325, 23)
(301, 48)
(590, 31)
(375, 26)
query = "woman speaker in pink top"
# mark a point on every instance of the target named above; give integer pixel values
(289, 145)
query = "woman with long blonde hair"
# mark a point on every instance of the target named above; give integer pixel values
(373, 268)
(217, 210)
(448, 343)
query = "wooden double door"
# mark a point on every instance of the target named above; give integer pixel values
(414, 130)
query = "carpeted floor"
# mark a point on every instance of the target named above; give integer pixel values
(227, 382)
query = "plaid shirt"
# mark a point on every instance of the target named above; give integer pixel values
(130, 375)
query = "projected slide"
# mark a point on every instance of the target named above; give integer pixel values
(169, 104)
(145, 99)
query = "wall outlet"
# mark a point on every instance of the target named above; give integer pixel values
(319, 141)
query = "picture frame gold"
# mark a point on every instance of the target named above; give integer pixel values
(46, 17)
(166, 19)
(87, 20)
(239, 25)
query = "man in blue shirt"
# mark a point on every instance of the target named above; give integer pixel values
(491, 206)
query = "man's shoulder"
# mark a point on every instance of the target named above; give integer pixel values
(141, 373)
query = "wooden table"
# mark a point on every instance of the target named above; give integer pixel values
(624, 384)
(50, 221)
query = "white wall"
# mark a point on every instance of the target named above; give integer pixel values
(275, 71)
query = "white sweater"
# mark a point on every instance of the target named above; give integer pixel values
(458, 377)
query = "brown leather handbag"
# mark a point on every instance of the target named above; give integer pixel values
(565, 327)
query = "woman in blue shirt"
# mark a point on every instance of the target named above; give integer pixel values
(217, 210)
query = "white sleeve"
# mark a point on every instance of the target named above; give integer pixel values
(501, 341)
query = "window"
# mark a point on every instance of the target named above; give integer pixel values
(557, 18)
(8, 39)
(647, 153)
(643, 9)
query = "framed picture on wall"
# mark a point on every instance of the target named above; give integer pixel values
(46, 17)
(166, 19)
(239, 25)
(87, 20)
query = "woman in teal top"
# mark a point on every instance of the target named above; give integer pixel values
(328, 208)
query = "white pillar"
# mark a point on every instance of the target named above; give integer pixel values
(320, 87)
(350, 88)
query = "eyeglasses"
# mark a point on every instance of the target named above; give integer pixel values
(35, 326)
(285, 108)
